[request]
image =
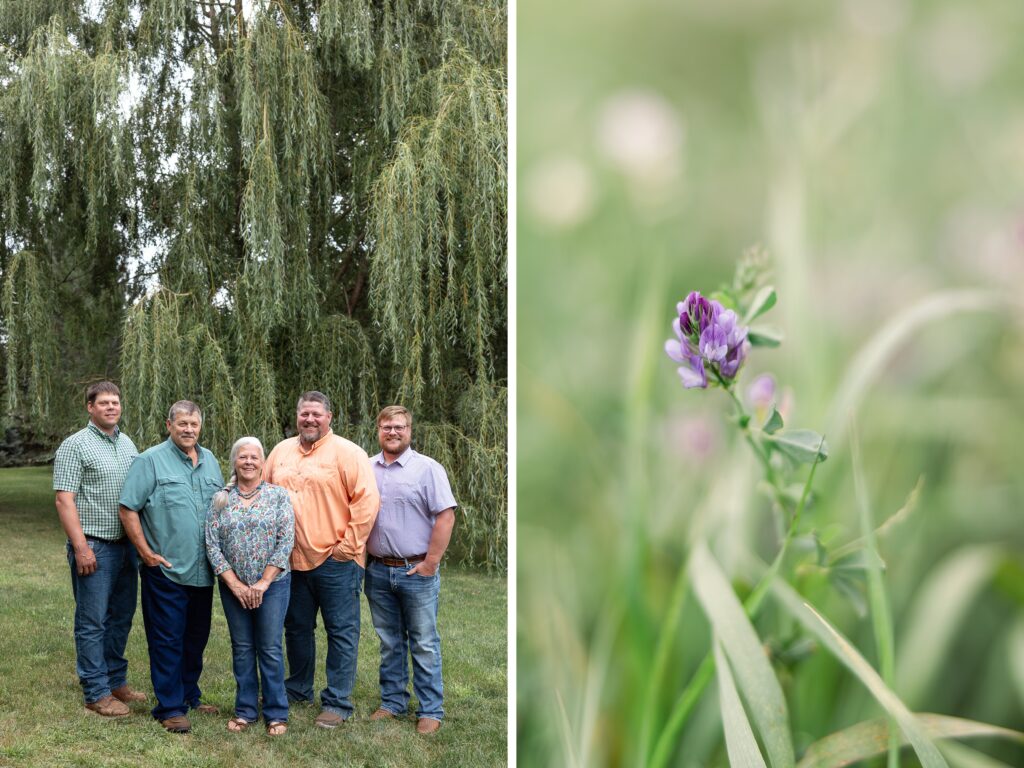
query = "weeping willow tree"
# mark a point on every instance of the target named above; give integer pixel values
(234, 201)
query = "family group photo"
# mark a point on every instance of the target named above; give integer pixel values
(254, 360)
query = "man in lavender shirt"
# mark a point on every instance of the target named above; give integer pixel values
(411, 534)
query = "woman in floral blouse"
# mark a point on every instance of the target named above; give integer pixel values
(250, 530)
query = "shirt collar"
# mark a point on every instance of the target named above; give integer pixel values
(402, 460)
(315, 445)
(184, 456)
(112, 438)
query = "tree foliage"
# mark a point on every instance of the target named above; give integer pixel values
(234, 202)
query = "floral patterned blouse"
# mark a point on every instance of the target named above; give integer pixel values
(248, 539)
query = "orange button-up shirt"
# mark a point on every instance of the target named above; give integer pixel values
(334, 494)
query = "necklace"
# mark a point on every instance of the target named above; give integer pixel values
(249, 494)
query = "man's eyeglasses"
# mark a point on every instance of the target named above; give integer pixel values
(399, 428)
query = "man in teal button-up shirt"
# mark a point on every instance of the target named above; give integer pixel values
(163, 508)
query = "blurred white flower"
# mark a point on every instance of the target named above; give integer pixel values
(958, 49)
(559, 191)
(642, 135)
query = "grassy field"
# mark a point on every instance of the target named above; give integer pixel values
(43, 722)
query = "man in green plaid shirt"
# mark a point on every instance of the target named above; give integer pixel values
(88, 472)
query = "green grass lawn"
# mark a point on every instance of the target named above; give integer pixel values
(43, 721)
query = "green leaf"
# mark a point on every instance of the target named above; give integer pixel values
(763, 336)
(739, 736)
(750, 662)
(870, 738)
(763, 301)
(844, 651)
(773, 423)
(804, 446)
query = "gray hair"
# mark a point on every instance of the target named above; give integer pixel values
(186, 407)
(313, 396)
(220, 498)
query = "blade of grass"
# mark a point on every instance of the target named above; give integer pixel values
(937, 614)
(753, 670)
(1017, 657)
(873, 357)
(848, 655)
(878, 599)
(739, 736)
(960, 756)
(597, 669)
(909, 506)
(870, 738)
(566, 730)
(661, 657)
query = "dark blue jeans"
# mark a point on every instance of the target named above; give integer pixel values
(332, 588)
(104, 608)
(177, 619)
(256, 636)
(404, 611)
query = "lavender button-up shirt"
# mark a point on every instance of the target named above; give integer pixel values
(414, 489)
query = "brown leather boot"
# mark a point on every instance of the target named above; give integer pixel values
(177, 724)
(427, 725)
(127, 694)
(108, 706)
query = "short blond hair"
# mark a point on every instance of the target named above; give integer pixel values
(391, 411)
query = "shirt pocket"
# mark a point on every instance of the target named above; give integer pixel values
(174, 494)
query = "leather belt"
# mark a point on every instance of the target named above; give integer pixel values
(399, 562)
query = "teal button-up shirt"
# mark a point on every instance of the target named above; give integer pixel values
(171, 497)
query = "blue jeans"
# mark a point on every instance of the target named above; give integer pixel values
(332, 588)
(177, 619)
(104, 608)
(404, 611)
(256, 634)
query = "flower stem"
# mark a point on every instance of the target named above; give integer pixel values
(695, 688)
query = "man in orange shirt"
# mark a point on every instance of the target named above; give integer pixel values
(336, 502)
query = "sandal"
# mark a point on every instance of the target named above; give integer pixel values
(237, 724)
(277, 728)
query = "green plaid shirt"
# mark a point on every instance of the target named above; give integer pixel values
(92, 465)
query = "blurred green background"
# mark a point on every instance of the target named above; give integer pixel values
(875, 149)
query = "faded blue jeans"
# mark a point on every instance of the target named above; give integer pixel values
(104, 607)
(332, 588)
(404, 610)
(256, 636)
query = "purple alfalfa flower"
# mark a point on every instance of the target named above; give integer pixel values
(695, 314)
(691, 365)
(761, 392)
(706, 335)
